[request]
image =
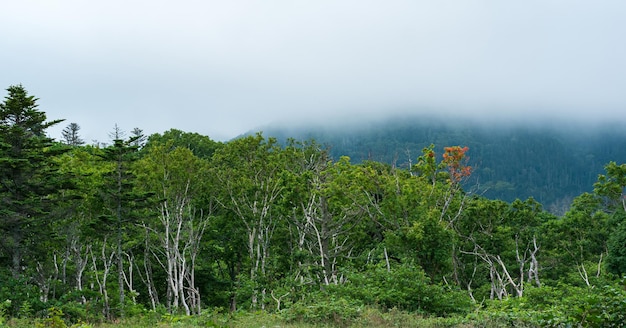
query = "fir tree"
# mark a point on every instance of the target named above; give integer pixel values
(70, 135)
(28, 177)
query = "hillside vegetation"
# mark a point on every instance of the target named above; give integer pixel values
(175, 229)
(551, 162)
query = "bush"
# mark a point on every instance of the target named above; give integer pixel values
(405, 287)
(565, 306)
(20, 293)
(336, 310)
(54, 319)
(4, 307)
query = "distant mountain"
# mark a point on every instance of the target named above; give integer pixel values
(552, 163)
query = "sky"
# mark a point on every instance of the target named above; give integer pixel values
(222, 68)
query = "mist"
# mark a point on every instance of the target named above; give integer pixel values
(224, 68)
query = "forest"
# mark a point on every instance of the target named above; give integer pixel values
(176, 229)
(551, 161)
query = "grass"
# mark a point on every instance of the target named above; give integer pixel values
(368, 317)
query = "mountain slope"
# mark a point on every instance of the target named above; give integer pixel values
(553, 164)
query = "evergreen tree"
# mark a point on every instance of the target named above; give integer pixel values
(139, 139)
(70, 135)
(121, 201)
(28, 176)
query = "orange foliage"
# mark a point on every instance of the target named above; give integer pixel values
(455, 160)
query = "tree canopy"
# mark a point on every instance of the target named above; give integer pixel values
(182, 224)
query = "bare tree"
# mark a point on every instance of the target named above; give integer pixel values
(81, 258)
(106, 259)
(145, 273)
(180, 244)
(500, 275)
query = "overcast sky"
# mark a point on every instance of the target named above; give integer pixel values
(221, 68)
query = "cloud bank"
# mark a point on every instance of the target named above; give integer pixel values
(221, 68)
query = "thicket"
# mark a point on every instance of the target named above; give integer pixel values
(178, 229)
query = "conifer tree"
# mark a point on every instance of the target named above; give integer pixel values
(122, 201)
(28, 177)
(139, 138)
(70, 135)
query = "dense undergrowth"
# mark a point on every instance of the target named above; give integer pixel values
(566, 306)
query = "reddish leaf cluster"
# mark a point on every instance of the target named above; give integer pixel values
(455, 160)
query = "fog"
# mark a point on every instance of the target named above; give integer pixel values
(221, 68)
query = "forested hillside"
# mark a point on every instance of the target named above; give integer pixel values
(552, 162)
(175, 229)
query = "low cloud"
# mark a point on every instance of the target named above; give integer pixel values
(222, 68)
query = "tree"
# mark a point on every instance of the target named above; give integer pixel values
(250, 172)
(339, 206)
(180, 179)
(576, 244)
(610, 189)
(616, 246)
(121, 200)
(29, 177)
(502, 240)
(70, 135)
(139, 139)
(201, 146)
(81, 225)
(446, 179)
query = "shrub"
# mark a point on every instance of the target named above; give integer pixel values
(336, 310)
(565, 306)
(20, 293)
(405, 287)
(54, 319)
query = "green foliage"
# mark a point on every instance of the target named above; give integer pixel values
(611, 186)
(426, 241)
(201, 146)
(427, 166)
(324, 309)
(564, 306)
(4, 308)
(21, 298)
(54, 319)
(405, 287)
(579, 236)
(616, 245)
(551, 163)
(121, 198)
(30, 182)
(287, 236)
